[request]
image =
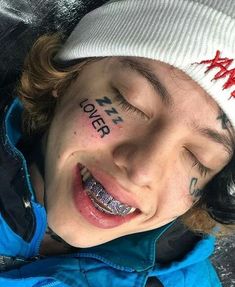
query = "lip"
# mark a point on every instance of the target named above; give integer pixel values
(88, 211)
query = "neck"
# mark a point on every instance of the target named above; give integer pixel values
(52, 244)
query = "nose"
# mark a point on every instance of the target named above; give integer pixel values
(144, 161)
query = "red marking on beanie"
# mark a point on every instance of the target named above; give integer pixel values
(223, 64)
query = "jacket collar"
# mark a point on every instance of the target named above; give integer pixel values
(137, 251)
(13, 121)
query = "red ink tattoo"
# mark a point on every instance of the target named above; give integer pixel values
(223, 64)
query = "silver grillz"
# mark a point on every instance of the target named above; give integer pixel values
(98, 194)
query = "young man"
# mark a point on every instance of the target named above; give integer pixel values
(127, 132)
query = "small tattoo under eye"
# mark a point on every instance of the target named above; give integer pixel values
(196, 192)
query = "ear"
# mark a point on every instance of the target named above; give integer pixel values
(55, 94)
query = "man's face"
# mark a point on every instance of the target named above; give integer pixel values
(150, 156)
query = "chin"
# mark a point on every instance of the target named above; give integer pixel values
(85, 241)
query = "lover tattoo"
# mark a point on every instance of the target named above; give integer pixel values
(98, 122)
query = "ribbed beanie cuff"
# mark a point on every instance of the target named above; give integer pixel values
(196, 36)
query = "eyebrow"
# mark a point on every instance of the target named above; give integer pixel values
(226, 141)
(144, 70)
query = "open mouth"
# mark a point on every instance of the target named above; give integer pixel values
(100, 197)
(103, 207)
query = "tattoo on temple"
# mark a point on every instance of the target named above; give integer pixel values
(224, 120)
(193, 190)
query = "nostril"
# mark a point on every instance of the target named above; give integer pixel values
(125, 156)
(139, 177)
(133, 161)
(120, 156)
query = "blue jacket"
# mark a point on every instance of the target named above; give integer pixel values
(126, 261)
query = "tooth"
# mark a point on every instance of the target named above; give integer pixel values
(104, 197)
(132, 210)
(83, 170)
(89, 183)
(101, 208)
(114, 205)
(85, 176)
(96, 191)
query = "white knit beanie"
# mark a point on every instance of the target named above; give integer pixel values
(196, 36)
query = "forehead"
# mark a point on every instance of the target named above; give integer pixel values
(186, 100)
(174, 86)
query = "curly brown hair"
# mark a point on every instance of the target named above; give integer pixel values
(41, 75)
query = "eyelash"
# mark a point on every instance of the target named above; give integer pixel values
(203, 170)
(126, 106)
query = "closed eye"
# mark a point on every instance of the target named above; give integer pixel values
(203, 170)
(126, 106)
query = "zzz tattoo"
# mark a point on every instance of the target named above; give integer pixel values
(111, 111)
(97, 121)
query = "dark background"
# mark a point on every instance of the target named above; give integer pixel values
(224, 260)
(21, 22)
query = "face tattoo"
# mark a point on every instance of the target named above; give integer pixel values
(98, 122)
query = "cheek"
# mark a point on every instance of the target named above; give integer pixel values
(86, 133)
(178, 196)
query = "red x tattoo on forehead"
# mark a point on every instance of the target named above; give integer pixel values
(223, 64)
